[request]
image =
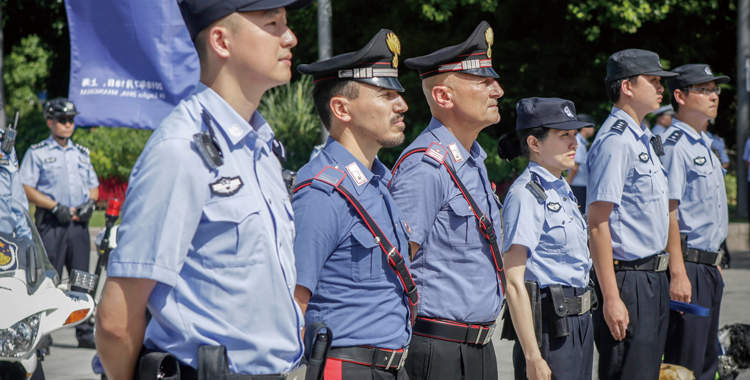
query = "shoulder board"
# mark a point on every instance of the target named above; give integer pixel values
(619, 126)
(535, 187)
(328, 178)
(435, 154)
(82, 148)
(674, 137)
(39, 145)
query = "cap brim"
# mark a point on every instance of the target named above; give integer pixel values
(390, 83)
(566, 125)
(482, 72)
(721, 79)
(662, 73)
(264, 5)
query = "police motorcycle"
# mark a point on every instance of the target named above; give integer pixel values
(34, 301)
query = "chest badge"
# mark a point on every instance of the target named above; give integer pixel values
(455, 152)
(356, 173)
(7, 255)
(700, 161)
(643, 157)
(226, 186)
(553, 206)
(50, 160)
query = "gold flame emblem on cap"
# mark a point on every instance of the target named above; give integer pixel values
(489, 36)
(394, 45)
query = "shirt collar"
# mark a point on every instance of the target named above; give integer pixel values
(456, 150)
(549, 180)
(344, 160)
(228, 121)
(634, 126)
(689, 131)
(54, 145)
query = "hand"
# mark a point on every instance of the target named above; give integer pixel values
(537, 369)
(617, 318)
(85, 211)
(62, 213)
(680, 289)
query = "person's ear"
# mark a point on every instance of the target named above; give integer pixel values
(340, 108)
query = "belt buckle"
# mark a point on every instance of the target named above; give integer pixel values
(490, 333)
(662, 263)
(402, 361)
(585, 303)
(298, 373)
(719, 256)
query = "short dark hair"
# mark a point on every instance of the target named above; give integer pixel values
(613, 88)
(327, 89)
(539, 132)
(675, 105)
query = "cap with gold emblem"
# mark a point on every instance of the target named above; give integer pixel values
(375, 64)
(473, 56)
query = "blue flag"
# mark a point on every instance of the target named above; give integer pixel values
(131, 61)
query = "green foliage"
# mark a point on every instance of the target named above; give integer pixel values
(290, 111)
(26, 69)
(442, 10)
(113, 150)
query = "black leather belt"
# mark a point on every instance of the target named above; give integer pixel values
(189, 373)
(703, 257)
(654, 263)
(479, 334)
(389, 360)
(565, 306)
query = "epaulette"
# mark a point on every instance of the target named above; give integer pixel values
(536, 189)
(619, 126)
(82, 148)
(674, 137)
(328, 178)
(39, 144)
(435, 154)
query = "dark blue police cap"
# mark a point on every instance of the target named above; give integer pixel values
(473, 56)
(375, 64)
(631, 62)
(198, 14)
(694, 73)
(552, 113)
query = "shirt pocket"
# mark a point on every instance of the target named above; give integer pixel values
(460, 221)
(640, 183)
(367, 256)
(554, 236)
(223, 244)
(697, 185)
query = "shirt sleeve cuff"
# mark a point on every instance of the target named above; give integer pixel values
(603, 197)
(142, 270)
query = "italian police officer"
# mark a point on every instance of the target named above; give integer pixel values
(440, 183)
(696, 188)
(59, 179)
(206, 237)
(546, 257)
(351, 273)
(631, 225)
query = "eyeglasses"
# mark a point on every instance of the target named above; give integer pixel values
(705, 90)
(64, 119)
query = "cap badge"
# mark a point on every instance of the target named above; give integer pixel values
(643, 157)
(568, 112)
(394, 45)
(700, 161)
(356, 174)
(553, 206)
(489, 37)
(707, 70)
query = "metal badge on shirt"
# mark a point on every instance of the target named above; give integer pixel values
(50, 160)
(455, 152)
(700, 161)
(643, 157)
(553, 206)
(226, 186)
(356, 174)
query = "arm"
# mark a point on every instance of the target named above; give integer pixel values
(38, 198)
(121, 323)
(679, 284)
(615, 312)
(514, 263)
(94, 193)
(572, 173)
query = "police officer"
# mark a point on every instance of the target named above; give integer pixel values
(578, 175)
(545, 245)
(12, 197)
(59, 179)
(206, 237)
(440, 183)
(696, 188)
(631, 225)
(719, 147)
(662, 119)
(345, 277)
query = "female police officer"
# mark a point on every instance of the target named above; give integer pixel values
(545, 233)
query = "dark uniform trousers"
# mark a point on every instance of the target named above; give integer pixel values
(437, 359)
(638, 356)
(580, 193)
(692, 340)
(337, 369)
(69, 246)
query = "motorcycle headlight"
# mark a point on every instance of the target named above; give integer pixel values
(18, 340)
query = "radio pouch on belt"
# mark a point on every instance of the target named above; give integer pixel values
(560, 324)
(683, 243)
(318, 339)
(158, 365)
(535, 300)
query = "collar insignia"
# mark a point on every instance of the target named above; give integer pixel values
(553, 206)
(394, 45)
(643, 157)
(356, 174)
(455, 152)
(226, 186)
(8, 252)
(700, 161)
(489, 37)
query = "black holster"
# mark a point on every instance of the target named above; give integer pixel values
(683, 244)
(157, 365)
(318, 339)
(535, 300)
(560, 323)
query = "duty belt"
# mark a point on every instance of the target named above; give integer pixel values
(299, 373)
(703, 257)
(443, 329)
(389, 360)
(654, 263)
(570, 306)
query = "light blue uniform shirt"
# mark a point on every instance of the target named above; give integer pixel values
(718, 146)
(553, 231)
(354, 290)
(219, 242)
(12, 197)
(582, 175)
(62, 173)
(625, 170)
(696, 180)
(453, 269)
(658, 129)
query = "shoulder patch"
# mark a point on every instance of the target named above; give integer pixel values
(674, 137)
(535, 187)
(435, 153)
(328, 178)
(39, 145)
(619, 126)
(82, 148)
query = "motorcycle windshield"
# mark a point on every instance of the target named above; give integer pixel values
(21, 247)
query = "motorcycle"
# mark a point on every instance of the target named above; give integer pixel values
(34, 301)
